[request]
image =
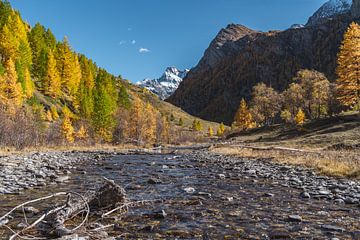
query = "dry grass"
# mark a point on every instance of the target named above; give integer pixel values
(331, 163)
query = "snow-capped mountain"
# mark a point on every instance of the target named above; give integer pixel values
(166, 85)
(297, 26)
(329, 10)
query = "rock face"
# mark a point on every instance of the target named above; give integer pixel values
(166, 84)
(239, 58)
(329, 10)
(224, 44)
(355, 9)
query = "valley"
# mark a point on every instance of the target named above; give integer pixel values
(259, 140)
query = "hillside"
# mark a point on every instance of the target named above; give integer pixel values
(229, 70)
(52, 95)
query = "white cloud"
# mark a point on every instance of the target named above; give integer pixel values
(133, 42)
(144, 50)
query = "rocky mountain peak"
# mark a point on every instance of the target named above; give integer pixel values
(329, 10)
(223, 45)
(166, 84)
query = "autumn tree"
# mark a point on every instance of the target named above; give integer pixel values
(243, 118)
(265, 104)
(197, 126)
(348, 70)
(52, 82)
(67, 127)
(300, 118)
(210, 132)
(221, 130)
(315, 91)
(69, 69)
(293, 98)
(10, 88)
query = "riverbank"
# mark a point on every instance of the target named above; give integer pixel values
(198, 194)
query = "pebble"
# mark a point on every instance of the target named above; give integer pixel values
(332, 228)
(304, 195)
(189, 190)
(295, 218)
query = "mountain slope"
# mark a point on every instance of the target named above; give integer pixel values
(329, 10)
(166, 85)
(213, 89)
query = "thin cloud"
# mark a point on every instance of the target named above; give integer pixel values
(133, 42)
(144, 50)
(122, 42)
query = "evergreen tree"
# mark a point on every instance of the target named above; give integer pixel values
(243, 117)
(348, 69)
(86, 88)
(181, 122)
(104, 105)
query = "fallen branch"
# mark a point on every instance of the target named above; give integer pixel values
(32, 201)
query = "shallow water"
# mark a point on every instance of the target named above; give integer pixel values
(235, 207)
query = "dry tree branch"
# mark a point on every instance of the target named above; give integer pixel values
(37, 221)
(32, 201)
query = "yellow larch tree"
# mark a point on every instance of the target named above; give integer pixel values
(52, 82)
(66, 126)
(243, 118)
(11, 89)
(210, 132)
(348, 70)
(300, 118)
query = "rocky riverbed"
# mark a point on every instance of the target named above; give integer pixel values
(37, 170)
(205, 195)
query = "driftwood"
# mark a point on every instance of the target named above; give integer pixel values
(109, 196)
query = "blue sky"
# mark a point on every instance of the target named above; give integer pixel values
(140, 38)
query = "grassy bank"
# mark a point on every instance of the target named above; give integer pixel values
(331, 146)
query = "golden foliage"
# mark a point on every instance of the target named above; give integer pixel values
(82, 133)
(300, 117)
(210, 132)
(243, 117)
(348, 83)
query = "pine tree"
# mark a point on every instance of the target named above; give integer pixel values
(243, 117)
(210, 132)
(300, 118)
(51, 83)
(181, 122)
(348, 70)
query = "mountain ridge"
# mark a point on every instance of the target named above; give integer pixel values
(213, 91)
